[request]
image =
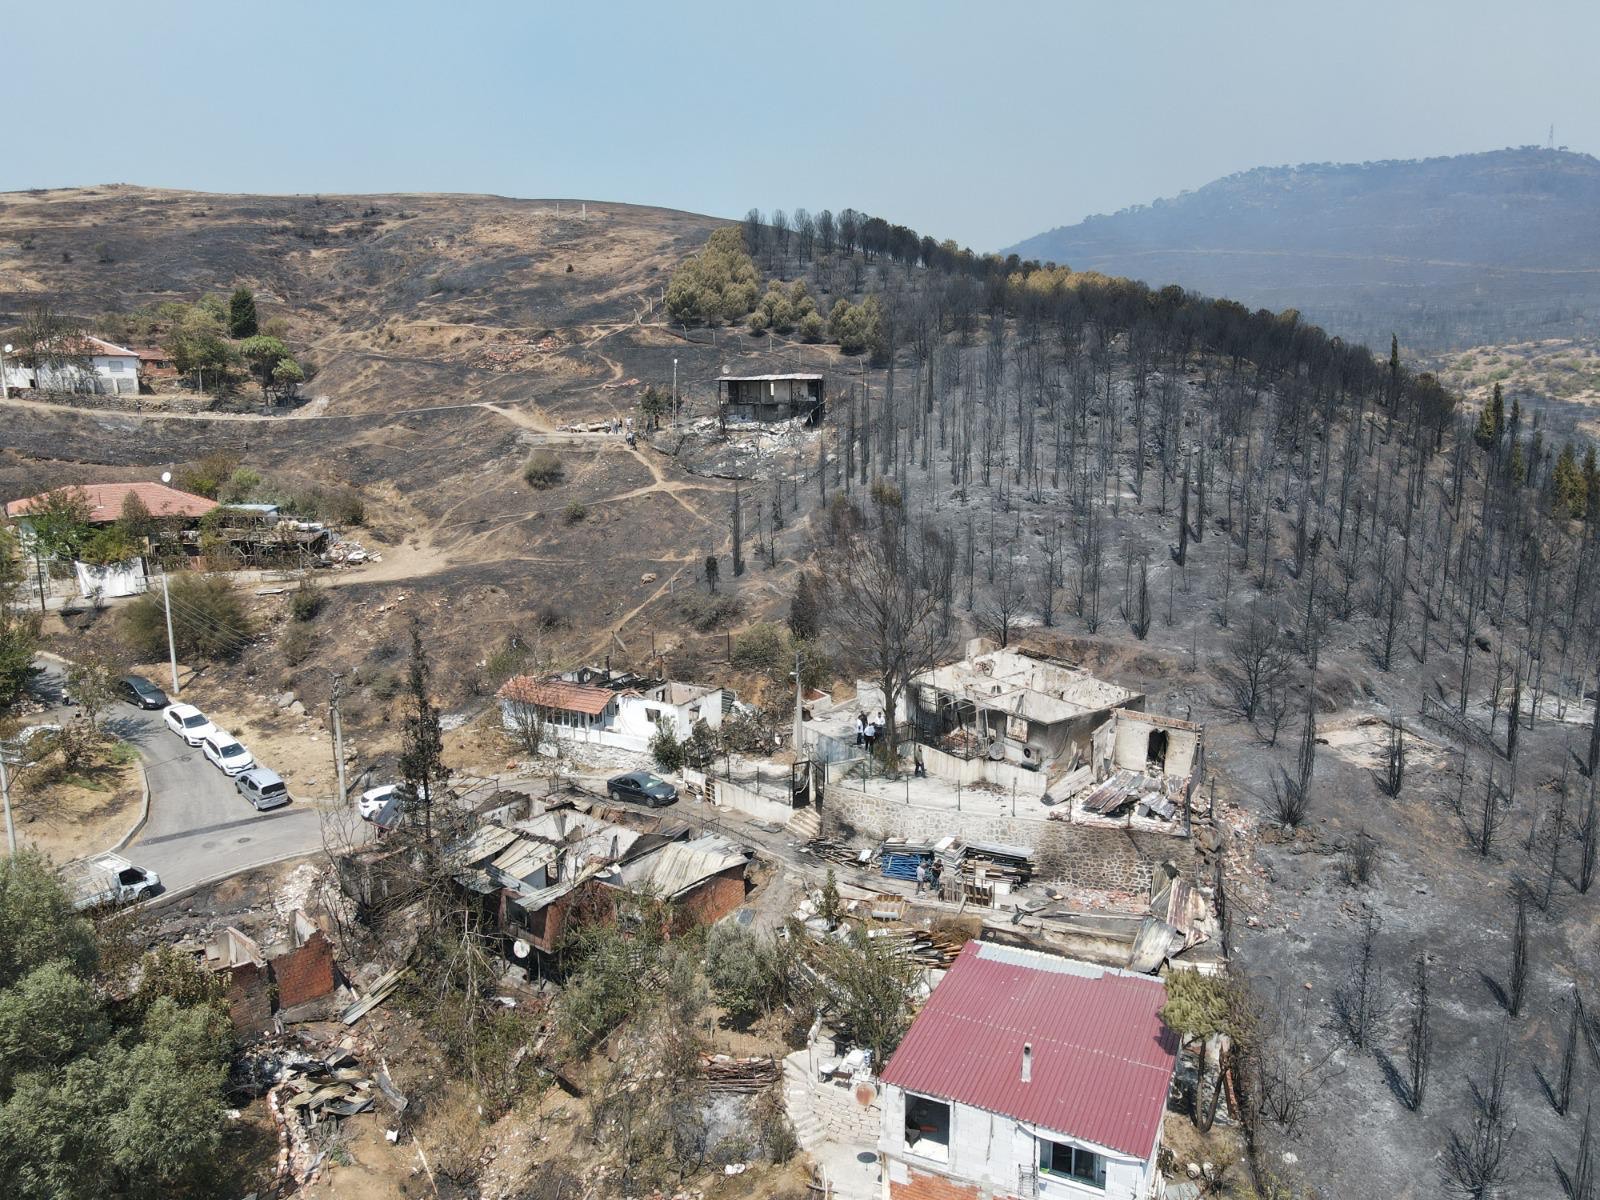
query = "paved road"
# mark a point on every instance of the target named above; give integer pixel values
(200, 828)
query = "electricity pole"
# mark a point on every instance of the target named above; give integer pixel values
(5, 798)
(172, 646)
(338, 736)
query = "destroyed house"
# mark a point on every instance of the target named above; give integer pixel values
(771, 397)
(1029, 1075)
(1014, 706)
(537, 878)
(1141, 763)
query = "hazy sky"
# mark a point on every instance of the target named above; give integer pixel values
(986, 122)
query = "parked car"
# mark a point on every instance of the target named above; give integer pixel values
(372, 801)
(189, 723)
(263, 787)
(141, 693)
(641, 787)
(226, 753)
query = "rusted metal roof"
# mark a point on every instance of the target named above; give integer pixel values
(557, 693)
(1102, 1059)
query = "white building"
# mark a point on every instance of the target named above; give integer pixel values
(1029, 1075)
(628, 717)
(87, 364)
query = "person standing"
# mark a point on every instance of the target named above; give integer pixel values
(871, 735)
(861, 728)
(918, 769)
(922, 876)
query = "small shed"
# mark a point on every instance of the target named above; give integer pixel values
(771, 397)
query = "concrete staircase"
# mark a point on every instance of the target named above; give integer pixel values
(805, 824)
(798, 1104)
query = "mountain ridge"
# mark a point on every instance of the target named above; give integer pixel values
(1446, 251)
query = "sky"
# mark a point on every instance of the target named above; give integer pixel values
(986, 122)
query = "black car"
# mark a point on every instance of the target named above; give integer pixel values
(141, 693)
(642, 788)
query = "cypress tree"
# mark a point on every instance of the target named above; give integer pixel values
(242, 321)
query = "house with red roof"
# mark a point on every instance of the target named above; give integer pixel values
(106, 501)
(1029, 1075)
(608, 708)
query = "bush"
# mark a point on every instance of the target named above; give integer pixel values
(763, 647)
(207, 476)
(208, 620)
(667, 750)
(544, 470)
(298, 643)
(575, 512)
(307, 600)
(749, 972)
(705, 612)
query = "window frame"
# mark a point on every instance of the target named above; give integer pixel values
(1096, 1179)
(915, 1147)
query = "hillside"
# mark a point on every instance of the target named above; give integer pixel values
(390, 296)
(1449, 252)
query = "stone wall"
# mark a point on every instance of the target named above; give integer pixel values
(1087, 856)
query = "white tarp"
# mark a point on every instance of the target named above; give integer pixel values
(111, 580)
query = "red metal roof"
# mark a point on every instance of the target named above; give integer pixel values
(106, 501)
(1102, 1059)
(556, 693)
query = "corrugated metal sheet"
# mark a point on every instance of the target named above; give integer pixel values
(1102, 1059)
(678, 866)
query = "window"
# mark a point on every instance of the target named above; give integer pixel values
(1070, 1162)
(652, 715)
(928, 1128)
(114, 365)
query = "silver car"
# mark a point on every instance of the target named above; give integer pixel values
(263, 787)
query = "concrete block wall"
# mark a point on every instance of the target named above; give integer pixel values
(1077, 855)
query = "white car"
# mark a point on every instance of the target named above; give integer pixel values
(226, 753)
(371, 802)
(189, 723)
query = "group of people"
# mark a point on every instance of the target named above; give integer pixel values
(928, 875)
(868, 726)
(624, 425)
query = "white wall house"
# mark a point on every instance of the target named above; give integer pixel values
(1029, 1075)
(628, 719)
(95, 366)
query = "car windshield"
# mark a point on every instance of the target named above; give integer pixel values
(195, 721)
(657, 789)
(230, 749)
(271, 789)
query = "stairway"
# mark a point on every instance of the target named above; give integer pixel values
(806, 824)
(798, 1103)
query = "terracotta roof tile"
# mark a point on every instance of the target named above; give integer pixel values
(106, 501)
(557, 693)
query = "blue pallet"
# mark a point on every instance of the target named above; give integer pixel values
(902, 866)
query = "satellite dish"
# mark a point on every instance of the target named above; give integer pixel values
(166, 477)
(521, 949)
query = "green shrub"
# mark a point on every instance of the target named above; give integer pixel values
(544, 470)
(763, 647)
(706, 612)
(576, 512)
(667, 750)
(208, 620)
(298, 643)
(307, 600)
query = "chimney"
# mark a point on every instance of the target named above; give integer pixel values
(1027, 1062)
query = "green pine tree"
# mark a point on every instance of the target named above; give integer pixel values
(1490, 421)
(242, 322)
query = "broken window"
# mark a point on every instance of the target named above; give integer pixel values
(928, 1127)
(1156, 754)
(1072, 1162)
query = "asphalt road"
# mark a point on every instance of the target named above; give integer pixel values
(200, 828)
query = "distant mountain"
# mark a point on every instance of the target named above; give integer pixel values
(1495, 247)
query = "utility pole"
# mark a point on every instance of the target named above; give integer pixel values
(674, 389)
(38, 568)
(5, 798)
(338, 736)
(172, 646)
